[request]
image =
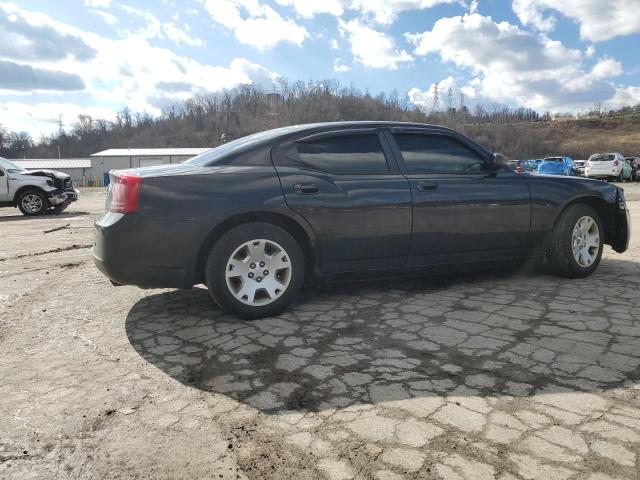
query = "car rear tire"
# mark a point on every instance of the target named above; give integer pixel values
(576, 242)
(32, 203)
(255, 270)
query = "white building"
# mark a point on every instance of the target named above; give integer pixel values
(121, 158)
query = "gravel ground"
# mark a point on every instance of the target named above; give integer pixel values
(494, 375)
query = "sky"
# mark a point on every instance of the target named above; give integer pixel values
(63, 58)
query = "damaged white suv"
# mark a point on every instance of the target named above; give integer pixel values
(34, 192)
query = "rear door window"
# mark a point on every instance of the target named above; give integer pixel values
(436, 154)
(357, 154)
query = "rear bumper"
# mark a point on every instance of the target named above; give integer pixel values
(129, 251)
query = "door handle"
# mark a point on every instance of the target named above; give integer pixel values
(305, 188)
(426, 186)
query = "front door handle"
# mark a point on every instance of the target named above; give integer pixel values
(305, 188)
(426, 186)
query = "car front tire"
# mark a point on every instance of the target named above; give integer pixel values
(255, 270)
(576, 242)
(61, 207)
(32, 203)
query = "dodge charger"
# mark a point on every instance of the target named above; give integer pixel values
(256, 218)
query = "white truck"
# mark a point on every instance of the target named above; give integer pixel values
(35, 192)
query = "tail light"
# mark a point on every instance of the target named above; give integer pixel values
(616, 163)
(519, 169)
(125, 193)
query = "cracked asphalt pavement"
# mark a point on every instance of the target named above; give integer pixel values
(504, 375)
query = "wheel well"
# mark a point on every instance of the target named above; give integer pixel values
(289, 225)
(602, 208)
(24, 188)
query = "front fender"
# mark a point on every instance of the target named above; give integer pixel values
(551, 195)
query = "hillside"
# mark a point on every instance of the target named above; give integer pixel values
(201, 122)
(576, 138)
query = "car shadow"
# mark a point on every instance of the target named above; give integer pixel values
(488, 334)
(18, 217)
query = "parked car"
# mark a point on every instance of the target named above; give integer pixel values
(515, 164)
(531, 165)
(635, 166)
(34, 192)
(524, 165)
(256, 217)
(579, 166)
(609, 166)
(556, 166)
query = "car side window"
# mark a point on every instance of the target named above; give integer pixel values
(437, 154)
(358, 154)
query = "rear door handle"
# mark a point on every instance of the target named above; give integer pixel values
(305, 188)
(426, 186)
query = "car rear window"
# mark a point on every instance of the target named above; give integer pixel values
(210, 157)
(553, 159)
(357, 154)
(602, 158)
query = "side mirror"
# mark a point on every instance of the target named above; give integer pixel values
(498, 161)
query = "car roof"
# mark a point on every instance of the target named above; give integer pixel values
(366, 123)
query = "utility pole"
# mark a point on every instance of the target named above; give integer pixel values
(436, 98)
(58, 147)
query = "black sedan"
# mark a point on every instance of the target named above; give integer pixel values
(254, 218)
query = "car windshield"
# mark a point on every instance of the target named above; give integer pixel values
(602, 158)
(10, 166)
(210, 156)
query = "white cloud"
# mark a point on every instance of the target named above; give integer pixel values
(154, 28)
(607, 67)
(97, 3)
(334, 44)
(372, 48)
(598, 19)
(255, 24)
(386, 11)
(309, 8)
(180, 37)
(530, 13)
(512, 65)
(382, 11)
(42, 118)
(340, 67)
(590, 51)
(625, 96)
(106, 16)
(121, 72)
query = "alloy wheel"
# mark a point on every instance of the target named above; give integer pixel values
(585, 241)
(258, 272)
(32, 203)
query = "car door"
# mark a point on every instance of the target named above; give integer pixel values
(462, 211)
(348, 187)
